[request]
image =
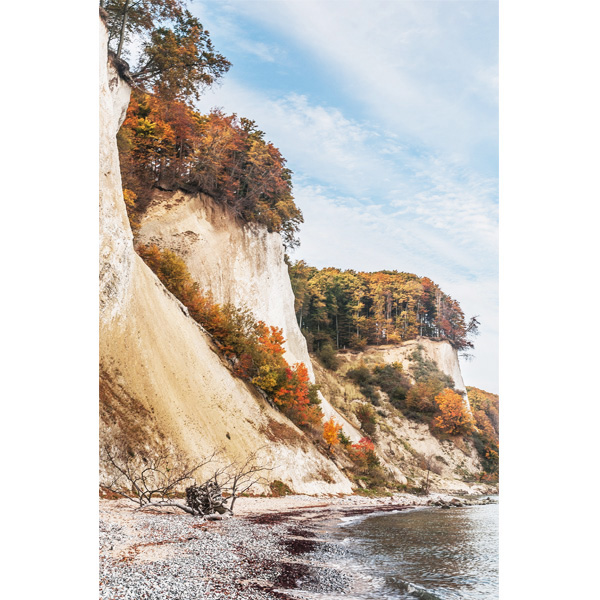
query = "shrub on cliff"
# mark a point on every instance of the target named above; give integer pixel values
(485, 407)
(366, 416)
(328, 357)
(421, 396)
(364, 457)
(392, 380)
(331, 433)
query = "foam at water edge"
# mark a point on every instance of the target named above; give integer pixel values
(345, 521)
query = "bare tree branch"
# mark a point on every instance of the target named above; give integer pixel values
(149, 478)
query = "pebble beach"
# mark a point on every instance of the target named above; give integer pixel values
(271, 548)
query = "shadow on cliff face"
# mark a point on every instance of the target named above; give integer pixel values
(121, 412)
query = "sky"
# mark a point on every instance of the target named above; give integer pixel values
(387, 113)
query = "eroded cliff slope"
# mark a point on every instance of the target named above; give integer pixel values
(241, 264)
(159, 374)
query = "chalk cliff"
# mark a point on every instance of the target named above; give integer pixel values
(238, 263)
(160, 376)
(159, 373)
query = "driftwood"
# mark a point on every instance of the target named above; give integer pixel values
(206, 499)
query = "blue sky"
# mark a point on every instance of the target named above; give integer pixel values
(387, 113)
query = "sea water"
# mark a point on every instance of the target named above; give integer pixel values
(426, 553)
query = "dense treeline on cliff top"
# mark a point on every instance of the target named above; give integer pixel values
(168, 145)
(165, 143)
(349, 309)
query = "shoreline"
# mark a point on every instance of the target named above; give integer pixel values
(258, 554)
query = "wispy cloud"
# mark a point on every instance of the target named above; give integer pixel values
(417, 65)
(369, 166)
(265, 52)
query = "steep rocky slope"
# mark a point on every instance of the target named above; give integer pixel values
(406, 444)
(159, 374)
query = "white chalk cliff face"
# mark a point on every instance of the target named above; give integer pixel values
(116, 251)
(158, 368)
(240, 264)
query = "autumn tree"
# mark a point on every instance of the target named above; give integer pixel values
(331, 431)
(363, 455)
(177, 58)
(454, 418)
(295, 397)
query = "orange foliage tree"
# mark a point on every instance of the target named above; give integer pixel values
(331, 430)
(453, 418)
(164, 143)
(295, 397)
(363, 454)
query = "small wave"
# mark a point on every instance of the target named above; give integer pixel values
(416, 590)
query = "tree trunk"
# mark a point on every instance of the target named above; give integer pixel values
(123, 26)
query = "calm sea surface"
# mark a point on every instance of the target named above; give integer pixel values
(426, 553)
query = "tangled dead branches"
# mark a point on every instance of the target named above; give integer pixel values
(152, 477)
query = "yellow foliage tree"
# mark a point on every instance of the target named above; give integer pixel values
(454, 418)
(330, 432)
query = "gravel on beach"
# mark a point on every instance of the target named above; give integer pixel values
(175, 556)
(270, 549)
